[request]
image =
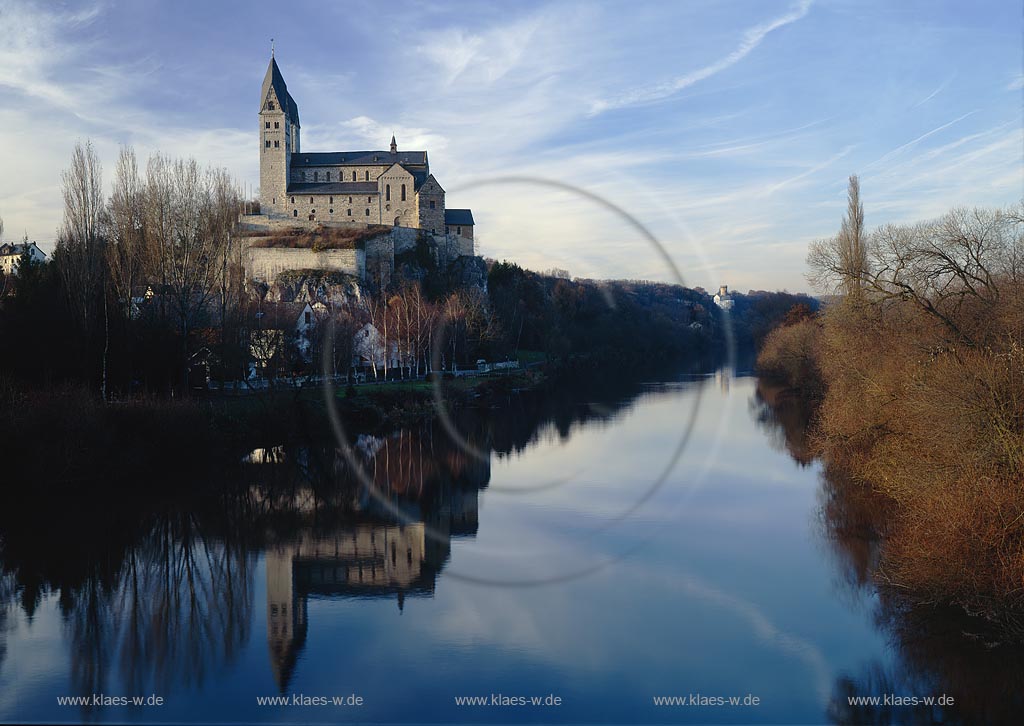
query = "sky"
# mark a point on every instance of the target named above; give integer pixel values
(702, 141)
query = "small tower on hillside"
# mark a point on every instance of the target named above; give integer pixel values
(279, 139)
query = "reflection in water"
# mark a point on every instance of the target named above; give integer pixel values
(161, 596)
(166, 607)
(156, 595)
(937, 650)
(389, 543)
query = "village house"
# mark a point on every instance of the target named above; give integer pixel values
(11, 254)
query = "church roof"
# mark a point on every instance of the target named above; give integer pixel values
(275, 80)
(462, 217)
(358, 158)
(363, 187)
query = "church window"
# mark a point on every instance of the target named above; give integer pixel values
(327, 175)
(387, 192)
(332, 198)
(267, 144)
(266, 124)
(458, 231)
(277, 124)
(403, 192)
(331, 211)
(432, 204)
(353, 176)
(311, 200)
(369, 200)
(277, 144)
(270, 106)
(397, 219)
(350, 212)
(350, 200)
(367, 212)
(293, 200)
(366, 175)
(316, 176)
(295, 212)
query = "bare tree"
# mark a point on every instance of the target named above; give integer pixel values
(126, 252)
(80, 244)
(840, 263)
(962, 269)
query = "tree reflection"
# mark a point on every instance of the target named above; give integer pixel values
(936, 650)
(157, 592)
(165, 601)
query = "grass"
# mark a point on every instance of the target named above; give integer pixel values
(317, 239)
(526, 357)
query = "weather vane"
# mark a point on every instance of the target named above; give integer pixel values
(271, 47)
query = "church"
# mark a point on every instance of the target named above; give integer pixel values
(389, 187)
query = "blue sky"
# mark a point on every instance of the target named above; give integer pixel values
(728, 128)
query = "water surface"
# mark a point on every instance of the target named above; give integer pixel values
(604, 548)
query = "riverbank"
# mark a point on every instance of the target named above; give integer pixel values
(65, 437)
(932, 432)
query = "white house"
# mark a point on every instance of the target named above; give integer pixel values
(368, 349)
(276, 325)
(723, 299)
(10, 255)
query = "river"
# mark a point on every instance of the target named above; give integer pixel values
(594, 550)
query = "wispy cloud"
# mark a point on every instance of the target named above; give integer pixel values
(903, 147)
(933, 94)
(751, 39)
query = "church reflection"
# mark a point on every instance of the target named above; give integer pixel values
(156, 591)
(391, 542)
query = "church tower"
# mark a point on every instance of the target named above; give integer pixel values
(279, 139)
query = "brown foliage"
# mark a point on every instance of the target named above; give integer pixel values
(925, 403)
(320, 238)
(789, 354)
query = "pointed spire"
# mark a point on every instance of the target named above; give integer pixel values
(394, 146)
